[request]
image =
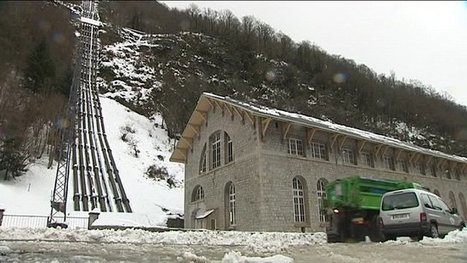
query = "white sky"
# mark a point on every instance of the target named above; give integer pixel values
(425, 41)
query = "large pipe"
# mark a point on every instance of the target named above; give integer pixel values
(84, 197)
(94, 168)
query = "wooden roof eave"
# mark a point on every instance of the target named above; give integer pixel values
(333, 131)
(192, 129)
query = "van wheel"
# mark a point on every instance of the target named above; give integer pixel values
(434, 231)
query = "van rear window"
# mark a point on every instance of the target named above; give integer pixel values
(399, 201)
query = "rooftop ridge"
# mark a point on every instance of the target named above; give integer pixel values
(331, 126)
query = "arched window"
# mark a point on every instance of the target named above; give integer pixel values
(452, 200)
(203, 161)
(463, 205)
(321, 192)
(198, 193)
(228, 146)
(436, 192)
(215, 145)
(298, 200)
(230, 204)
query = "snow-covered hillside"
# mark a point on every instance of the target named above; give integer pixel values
(137, 144)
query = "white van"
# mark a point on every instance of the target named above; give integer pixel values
(416, 213)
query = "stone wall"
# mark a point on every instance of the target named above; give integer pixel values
(278, 168)
(242, 172)
(262, 172)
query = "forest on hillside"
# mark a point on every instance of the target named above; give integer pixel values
(342, 90)
(262, 65)
(36, 49)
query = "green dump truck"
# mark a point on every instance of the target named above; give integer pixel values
(352, 206)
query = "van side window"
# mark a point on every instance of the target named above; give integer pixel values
(444, 206)
(426, 202)
(435, 202)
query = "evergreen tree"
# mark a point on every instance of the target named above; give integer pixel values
(40, 70)
(64, 84)
(13, 158)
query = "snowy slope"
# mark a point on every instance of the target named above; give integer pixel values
(146, 195)
(30, 193)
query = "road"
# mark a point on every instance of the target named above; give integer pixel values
(22, 251)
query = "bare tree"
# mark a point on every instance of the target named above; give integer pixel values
(265, 36)
(230, 23)
(248, 28)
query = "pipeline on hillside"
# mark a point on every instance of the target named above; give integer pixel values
(85, 149)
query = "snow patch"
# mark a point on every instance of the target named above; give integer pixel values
(268, 242)
(456, 236)
(191, 257)
(236, 257)
(130, 220)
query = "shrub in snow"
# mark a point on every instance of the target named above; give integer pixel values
(128, 129)
(160, 173)
(127, 137)
(157, 172)
(4, 250)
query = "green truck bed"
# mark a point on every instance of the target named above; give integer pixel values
(361, 192)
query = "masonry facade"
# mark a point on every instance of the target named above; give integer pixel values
(251, 168)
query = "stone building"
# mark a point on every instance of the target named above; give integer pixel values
(254, 168)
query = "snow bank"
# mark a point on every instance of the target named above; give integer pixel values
(456, 236)
(130, 220)
(236, 257)
(270, 242)
(190, 257)
(4, 250)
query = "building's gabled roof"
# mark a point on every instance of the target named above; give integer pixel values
(207, 100)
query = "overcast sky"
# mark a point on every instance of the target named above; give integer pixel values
(425, 41)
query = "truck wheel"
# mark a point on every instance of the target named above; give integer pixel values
(434, 231)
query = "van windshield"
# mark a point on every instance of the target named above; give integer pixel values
(399, 201)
